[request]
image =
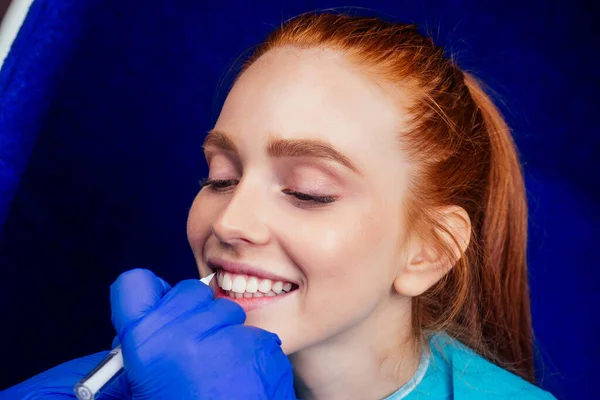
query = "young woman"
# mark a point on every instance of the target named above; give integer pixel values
(365, 203)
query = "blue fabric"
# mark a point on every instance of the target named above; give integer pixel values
(29, 80)
(453, 371)
(103, 109)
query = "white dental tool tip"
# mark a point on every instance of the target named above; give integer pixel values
(206, 280)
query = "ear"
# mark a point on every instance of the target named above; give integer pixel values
(427, 261)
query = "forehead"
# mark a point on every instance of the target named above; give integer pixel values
(313, 94)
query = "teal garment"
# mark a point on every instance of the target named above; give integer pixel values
(450, 370)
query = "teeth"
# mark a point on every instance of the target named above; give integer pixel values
(252, 285)
(227, 281)
(243, 286)
(247, 295)
(239, 284)
(265, 285)
(277, 287)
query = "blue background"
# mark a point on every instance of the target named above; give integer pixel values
(104, 105)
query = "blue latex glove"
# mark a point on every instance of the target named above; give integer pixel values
(180, 343)
(177, 344)
(58, 383)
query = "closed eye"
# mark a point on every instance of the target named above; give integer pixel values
(222, 185)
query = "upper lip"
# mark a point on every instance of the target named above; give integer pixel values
(244, 269)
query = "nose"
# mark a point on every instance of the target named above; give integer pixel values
(242, 220)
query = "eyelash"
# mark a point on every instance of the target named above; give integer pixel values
(215, 185)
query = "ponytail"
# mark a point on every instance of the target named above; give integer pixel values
(463, 155)
(506, 325)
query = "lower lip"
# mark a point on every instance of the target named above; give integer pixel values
(251, 303)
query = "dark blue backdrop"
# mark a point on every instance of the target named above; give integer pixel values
(104, 105)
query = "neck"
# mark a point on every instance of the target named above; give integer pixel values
(370, 361)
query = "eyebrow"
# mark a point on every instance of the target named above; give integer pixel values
(285, 148)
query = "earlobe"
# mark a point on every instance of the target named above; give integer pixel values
(432, 257)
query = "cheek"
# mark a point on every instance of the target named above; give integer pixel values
(345, 255)
(346, 265)
(199, 222)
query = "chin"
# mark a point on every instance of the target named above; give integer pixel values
(289, 343)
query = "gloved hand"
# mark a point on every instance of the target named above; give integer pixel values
(57, 383)
(179, 343)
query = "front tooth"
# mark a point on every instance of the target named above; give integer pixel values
(230, 294)
(277, 287)
(265, 285)
(271, 294)
(252, 285)
(220, 278)
(258, 294)
(227, 281)
(287, 287)
(239, 284)
(247, 295)
(238, 295)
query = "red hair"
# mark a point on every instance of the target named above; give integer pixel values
(465, 156)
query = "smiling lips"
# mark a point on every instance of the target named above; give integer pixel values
(249, 291)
